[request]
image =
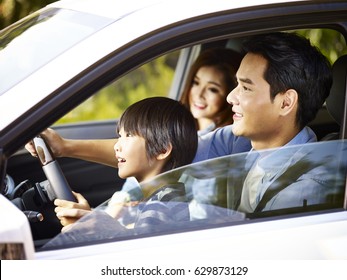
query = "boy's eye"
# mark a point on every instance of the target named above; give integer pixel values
(124, 134)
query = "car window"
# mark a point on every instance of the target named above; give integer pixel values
(151, 79)
(295, 179)
(160, 75)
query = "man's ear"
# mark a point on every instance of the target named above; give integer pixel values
(289, 102)
(165, 153)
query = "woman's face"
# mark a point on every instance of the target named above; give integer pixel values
(207, 95)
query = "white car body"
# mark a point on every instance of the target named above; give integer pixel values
(321, 236)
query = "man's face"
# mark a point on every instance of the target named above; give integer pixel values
(256, 116)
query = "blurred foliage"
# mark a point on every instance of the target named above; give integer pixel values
(13, 10)
(330, 42)
(151, 79)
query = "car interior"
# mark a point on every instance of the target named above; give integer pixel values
(337, 98)
(25, 171)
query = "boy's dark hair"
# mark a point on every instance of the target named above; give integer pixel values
(162, 121)
(293, 63)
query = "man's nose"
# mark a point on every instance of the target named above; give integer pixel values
(232, 96)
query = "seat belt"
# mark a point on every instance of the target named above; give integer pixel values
(288, 177)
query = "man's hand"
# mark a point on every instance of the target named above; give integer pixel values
(53, 140)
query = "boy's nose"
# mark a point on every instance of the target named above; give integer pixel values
(116, 146)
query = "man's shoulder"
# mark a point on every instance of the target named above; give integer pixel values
(306, 135)
(221, 142)
(224, 133)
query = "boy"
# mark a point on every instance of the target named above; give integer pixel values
(152, 135)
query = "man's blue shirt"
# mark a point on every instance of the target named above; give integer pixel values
(222, 142)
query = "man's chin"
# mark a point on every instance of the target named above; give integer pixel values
(237, 131)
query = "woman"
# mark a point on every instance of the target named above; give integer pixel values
(210, 79)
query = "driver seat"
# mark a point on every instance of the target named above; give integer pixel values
(335, 102)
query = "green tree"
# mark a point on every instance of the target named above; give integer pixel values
(151, 79)
(13, 10)
(330, 42)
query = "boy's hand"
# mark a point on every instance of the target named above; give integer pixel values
(69, 212)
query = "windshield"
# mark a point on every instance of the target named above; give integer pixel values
(30, 44)
(220, 192)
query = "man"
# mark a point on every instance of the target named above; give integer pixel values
(282, 83)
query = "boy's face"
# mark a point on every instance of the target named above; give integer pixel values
(132, 158)
(256, 116)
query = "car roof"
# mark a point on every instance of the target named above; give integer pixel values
(184, 8)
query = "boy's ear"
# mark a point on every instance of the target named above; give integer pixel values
(289, 101)
(165, 153)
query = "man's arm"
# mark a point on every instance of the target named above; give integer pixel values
(96, 150)
(99, 150)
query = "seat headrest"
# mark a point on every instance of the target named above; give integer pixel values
(336, 99)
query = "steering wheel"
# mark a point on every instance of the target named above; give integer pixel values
(52, 170)
(9, 186)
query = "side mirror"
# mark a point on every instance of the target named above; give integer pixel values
(16, 242)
